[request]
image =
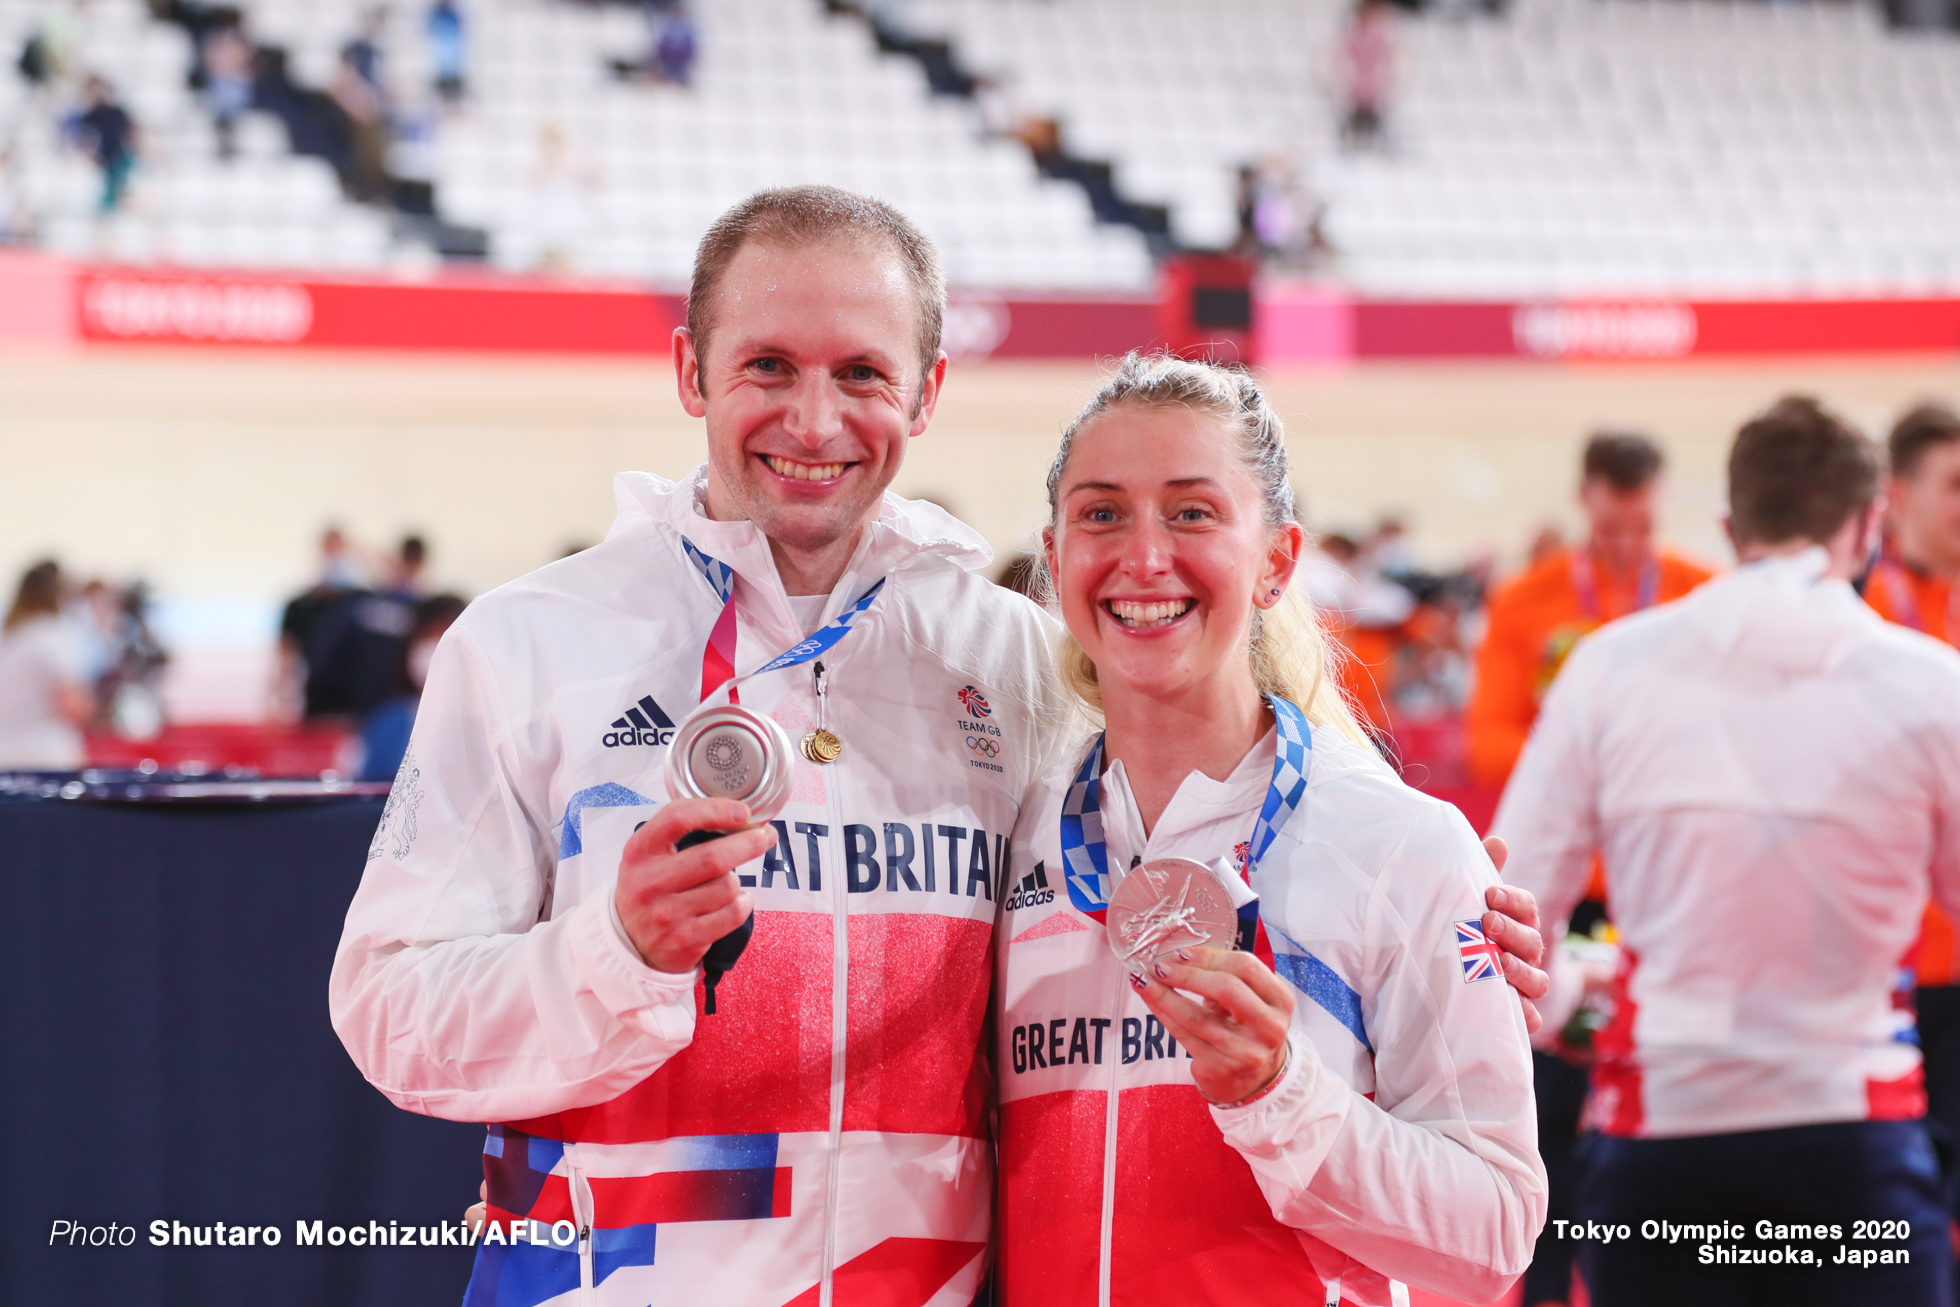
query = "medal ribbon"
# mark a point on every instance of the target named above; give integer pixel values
(1085, 853)
(1646, 590)
(718, 659)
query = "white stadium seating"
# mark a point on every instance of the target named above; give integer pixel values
(1570, 147)
(783, 94)
(1575, 147)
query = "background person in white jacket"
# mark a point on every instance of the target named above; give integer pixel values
(1368, 1120)
(1772, 775)
(524, 947)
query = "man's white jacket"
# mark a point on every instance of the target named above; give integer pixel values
(828, 1123)
(1771, 773)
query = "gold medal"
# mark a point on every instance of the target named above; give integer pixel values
(820, 746)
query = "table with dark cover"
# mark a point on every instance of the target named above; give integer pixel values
(167, 1055)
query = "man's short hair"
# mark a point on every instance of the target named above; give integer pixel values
(1798, 472)
(1624, 460)
(1917, 432)
(804, 215)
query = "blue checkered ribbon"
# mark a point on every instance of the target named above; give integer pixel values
(1289, 783)
(1085, 853)
(722, 578)
(719, 575)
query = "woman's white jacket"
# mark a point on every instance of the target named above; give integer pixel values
(1401, 1143)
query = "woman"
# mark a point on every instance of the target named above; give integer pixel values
(1346, 1104)
(43, 701)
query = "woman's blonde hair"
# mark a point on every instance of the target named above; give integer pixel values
(1290, 654)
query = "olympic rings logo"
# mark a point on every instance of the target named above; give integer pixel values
(984, 747)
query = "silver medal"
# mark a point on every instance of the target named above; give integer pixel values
(727, 752)
(1166, 905)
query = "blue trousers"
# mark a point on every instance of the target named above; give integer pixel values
(1838, 1174)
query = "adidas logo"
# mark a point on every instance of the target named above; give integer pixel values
(1032, 891)
(644, 723)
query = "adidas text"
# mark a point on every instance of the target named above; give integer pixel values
(623, 739)
(1032, 891)
(645, 723)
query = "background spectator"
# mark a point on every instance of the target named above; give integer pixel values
(227, 71)
(107, 134)
(125, 661)
(43, 698)
(1537, 616)
(385, 730)
(303, 631)
(366, 173)
(676, 42)
(562, 184)
(36, 63)
(1367, 66)
(673, 41)
(365, 53)
(17, 225)
(448, 51)
(404, 578)
(354, 640)
(48, 57)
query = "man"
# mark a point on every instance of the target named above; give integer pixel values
(1773, 774)
(1535, 620)
(1917, 584)
(1537, 617)
(525, 946)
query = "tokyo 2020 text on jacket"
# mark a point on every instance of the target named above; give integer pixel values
(1401, 1142)
(824, 1132)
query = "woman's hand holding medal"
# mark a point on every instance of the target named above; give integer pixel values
(1235, 1029)
(674, 904)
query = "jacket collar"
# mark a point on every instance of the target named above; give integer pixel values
(1782, 613)
(907, 531)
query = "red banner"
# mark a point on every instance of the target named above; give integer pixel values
(1653, 329)
(483, 311)
(472, 314)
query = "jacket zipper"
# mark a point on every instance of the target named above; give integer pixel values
(581, 1193)
(840, 966)
(1107, 1240)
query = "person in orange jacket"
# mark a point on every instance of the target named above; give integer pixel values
(1916, 583)
(1538, 616)
(1535, 619)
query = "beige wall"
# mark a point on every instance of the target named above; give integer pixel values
(211, 472)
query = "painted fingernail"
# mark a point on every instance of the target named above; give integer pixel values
(1184, 955)
(1138, 979)
(1163, 972)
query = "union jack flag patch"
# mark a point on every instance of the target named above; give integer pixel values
(1482, 959)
